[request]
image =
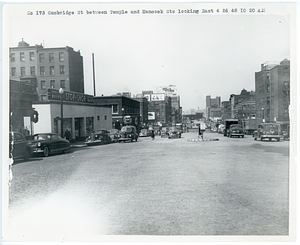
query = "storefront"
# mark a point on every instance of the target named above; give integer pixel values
(80, 115)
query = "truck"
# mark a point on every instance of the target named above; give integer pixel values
(251, 124)
(229, 122)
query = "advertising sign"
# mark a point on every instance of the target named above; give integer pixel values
(157, 97)
(148, 97)
(151, 115)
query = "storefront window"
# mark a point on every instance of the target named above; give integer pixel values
(89, 125)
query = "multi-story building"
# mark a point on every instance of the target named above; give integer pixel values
(226, 110)
(159, 109)
(272, 85)
(144, 104)
(176, 109)
(242, 105)
(47, 67)
(213, 104)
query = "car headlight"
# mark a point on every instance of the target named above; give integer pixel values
(39, 144)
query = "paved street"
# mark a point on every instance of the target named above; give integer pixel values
(233, 186)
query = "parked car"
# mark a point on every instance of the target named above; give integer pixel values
(221, 129)
(229, 122)
(144, 133)
(114, 135)
(267, 131)
(174, 133)
(235, 130)
(128, 133)
(164, 132)
(98, 137)
(19, 147)
(48, 143)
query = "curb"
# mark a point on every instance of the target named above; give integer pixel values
(196, 140)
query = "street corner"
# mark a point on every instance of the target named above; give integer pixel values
(198, 140)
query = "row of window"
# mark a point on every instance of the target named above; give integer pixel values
(52, 84)
(41, 72)
(61, 57)
(115, 109)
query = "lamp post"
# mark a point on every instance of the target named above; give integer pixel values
(61, 91)
(263, 114)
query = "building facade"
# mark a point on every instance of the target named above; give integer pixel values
(214, 103)
(47, 67)
(80, 115)
(272, 85)
(120, 107)
(144, 105)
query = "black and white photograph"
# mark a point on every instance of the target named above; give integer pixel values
(149, 122)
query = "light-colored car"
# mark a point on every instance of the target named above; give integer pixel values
(267, 131)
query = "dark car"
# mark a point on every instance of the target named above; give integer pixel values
(19, 147)
(128, 133)
(48, 143)
(267, 131)
(235, 130)
(98, 137)
(114, 135)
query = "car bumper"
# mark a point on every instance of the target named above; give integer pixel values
(37, 150)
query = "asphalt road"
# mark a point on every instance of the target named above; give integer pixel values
(160, 187)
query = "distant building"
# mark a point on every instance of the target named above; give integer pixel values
(144, 105)
(47, 67)
(226, 113)
(213, 105)
(120, 107)
(242, 105)
(272, 85)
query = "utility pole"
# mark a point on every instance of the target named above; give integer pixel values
(94, 74)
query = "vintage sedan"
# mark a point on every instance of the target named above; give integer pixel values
(48, 143)
(267, 131)
(174, 133)
(164, 132)
(128, 133)
(18, 146)
(114, 135)
(144, 132)
(98, 137)
(235, 130)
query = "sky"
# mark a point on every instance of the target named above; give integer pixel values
(202, 54)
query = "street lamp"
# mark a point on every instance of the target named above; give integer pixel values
(263, 114)
(61, 91)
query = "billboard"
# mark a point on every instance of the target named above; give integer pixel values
(157, 97)
(151, 115)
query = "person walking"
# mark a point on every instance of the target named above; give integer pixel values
(200, 132)
(67, 134)
(152, 135)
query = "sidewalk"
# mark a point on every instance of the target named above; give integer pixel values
(77, 144)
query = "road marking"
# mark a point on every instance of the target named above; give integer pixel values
(194, 140)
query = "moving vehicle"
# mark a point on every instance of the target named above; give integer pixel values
(114, 135)
(268, 131)
(179, 127)
(235, 130)
(164, 132)
(19, 147)
(174, 133)
(98, 137)
(229, 122)
(251, 125)
(144, 132)
(221, 128)
(128, 133)
(47, 143)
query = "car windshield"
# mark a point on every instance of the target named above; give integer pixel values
(127, 129)
(42, 137)
(235, 126)
(99, 132)
(271, 126)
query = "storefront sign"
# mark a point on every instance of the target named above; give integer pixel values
(54, 94)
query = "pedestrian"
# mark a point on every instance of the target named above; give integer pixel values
(200, 132)
(152, 135)
(67, 134)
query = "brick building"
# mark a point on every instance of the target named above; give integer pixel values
(47, 67)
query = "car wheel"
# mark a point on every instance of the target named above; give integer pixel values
(255, 138)
(261, 138)
(46, 151)
(27, 155)
(278, 139)
(242, 136)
